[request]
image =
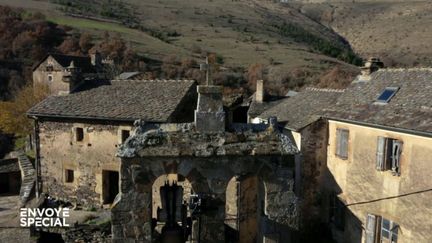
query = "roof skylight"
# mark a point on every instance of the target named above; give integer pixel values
(387, 94)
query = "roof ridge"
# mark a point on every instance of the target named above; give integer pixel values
(405, 69)
(325, 90)
(151, 80)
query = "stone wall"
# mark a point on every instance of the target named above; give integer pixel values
(279, 218)
(404, 199)
(313, 168)
(59, 151)
(57, 85)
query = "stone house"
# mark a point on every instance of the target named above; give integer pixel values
(365, 154)
(379, 154)
(77, 135)
(233, 169)
(64, 73)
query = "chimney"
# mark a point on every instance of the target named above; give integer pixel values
(96, 59)
(72, 76)
(371, 65)
(209, 115)
(259, 93)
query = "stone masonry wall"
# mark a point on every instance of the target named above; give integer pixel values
(59, 150)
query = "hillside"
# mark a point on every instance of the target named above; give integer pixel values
(293, 48)
(397, 31)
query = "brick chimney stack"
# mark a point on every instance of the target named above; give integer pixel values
(209, 115)
(259, 93)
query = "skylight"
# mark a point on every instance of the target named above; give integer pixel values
(387, 94)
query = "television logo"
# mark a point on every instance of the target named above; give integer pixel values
(44, 217)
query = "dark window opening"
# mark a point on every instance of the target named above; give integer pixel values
(387, 94)
(388, 155)
(110, 183)
(79, 133)
(124, 135)
(240, 114)
(342, 136)
(69, 176)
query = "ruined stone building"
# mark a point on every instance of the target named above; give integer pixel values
(365, 154)
(242, 180)
(78, 134)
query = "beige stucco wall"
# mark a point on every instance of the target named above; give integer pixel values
(359, 182)
(59, 150)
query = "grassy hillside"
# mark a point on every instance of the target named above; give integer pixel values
(293, 48)
(397, 31)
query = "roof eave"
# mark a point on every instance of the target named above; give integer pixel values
(39, 115)
(395, 129)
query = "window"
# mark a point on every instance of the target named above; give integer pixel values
(50, 78)
(388, 155)
(69, 176)
(387, 94)
(380, 230)
(124, 135)
(342, 136)
(79, 134)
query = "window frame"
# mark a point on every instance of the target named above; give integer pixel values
(389, 153)
(394, 90)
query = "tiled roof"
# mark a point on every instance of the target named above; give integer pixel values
(410, 108)
(127, 100)
(302, 109)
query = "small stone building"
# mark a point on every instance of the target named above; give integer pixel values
(77, 135)
(243, 170)
(65, 73)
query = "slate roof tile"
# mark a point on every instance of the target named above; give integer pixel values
(150, 100)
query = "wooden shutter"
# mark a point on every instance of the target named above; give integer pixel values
(372, 228)
(396, 152)
(338, 142)
(380, 160)
(342, 137)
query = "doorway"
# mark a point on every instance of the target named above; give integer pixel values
(110, 182)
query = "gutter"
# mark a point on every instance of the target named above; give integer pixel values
(395, 129)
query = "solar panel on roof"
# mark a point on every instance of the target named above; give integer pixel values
(387, 94)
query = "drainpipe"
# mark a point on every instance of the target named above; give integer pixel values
(37, 154)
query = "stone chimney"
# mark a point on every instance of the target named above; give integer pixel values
(209, 115)
(259, 93)
(371, 65)
(96, 59)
